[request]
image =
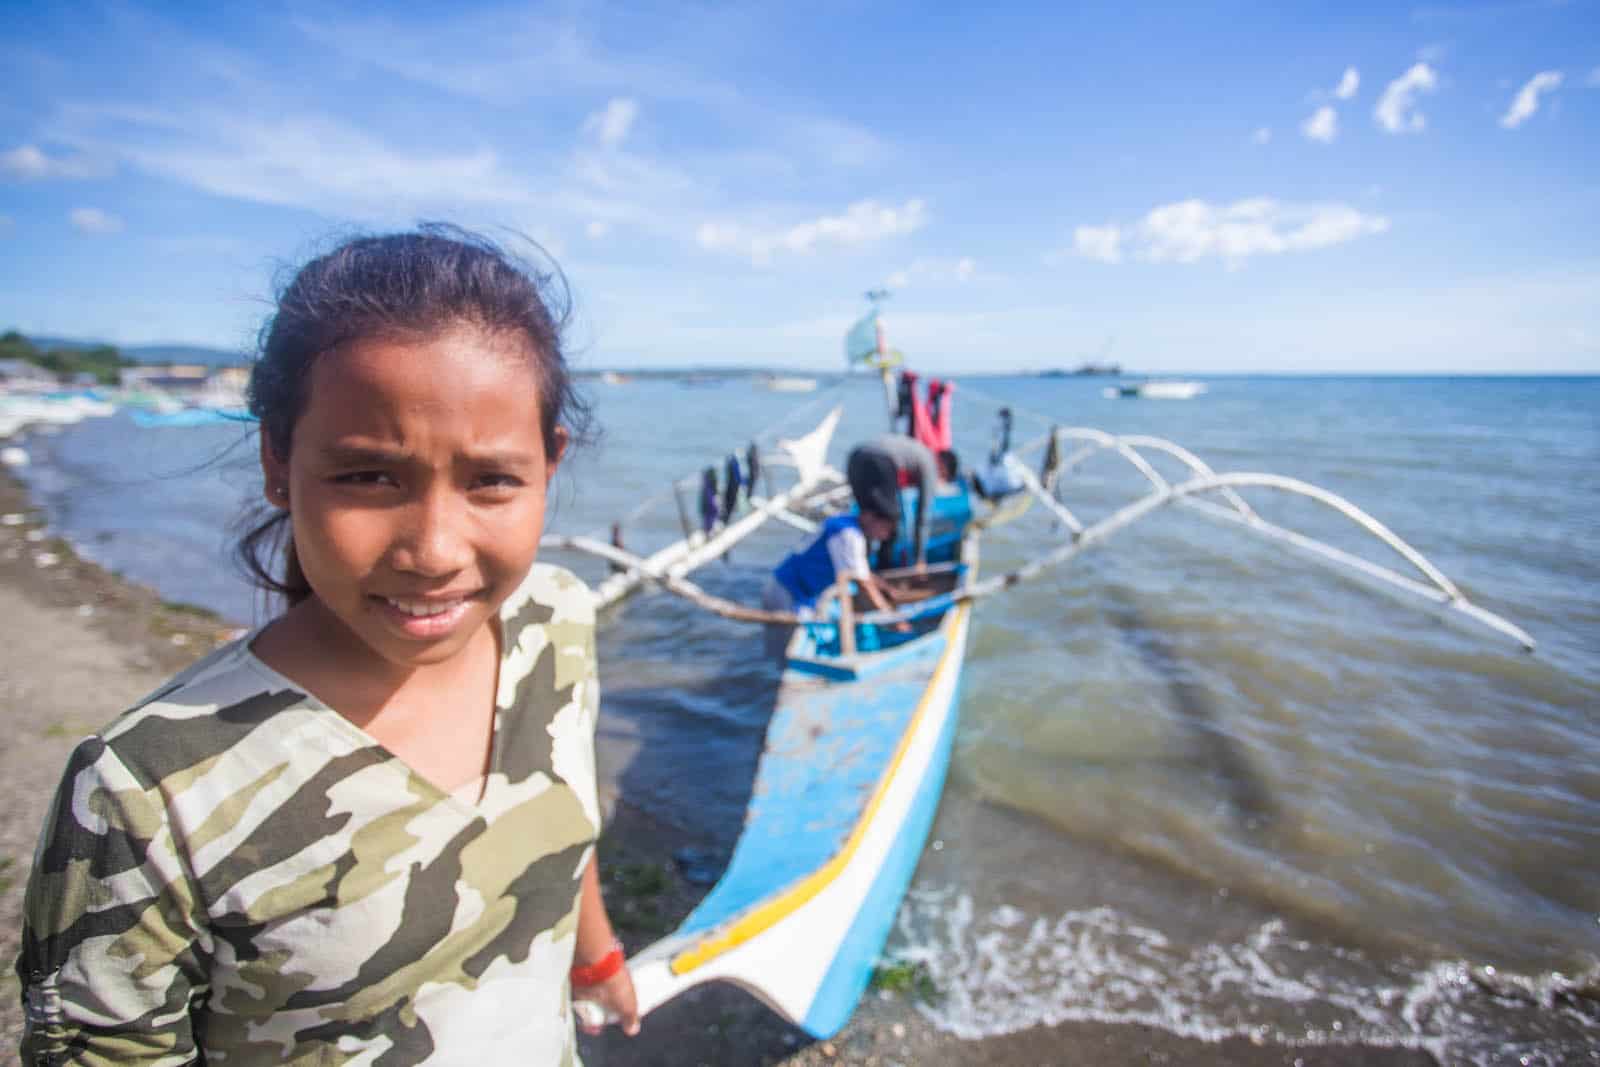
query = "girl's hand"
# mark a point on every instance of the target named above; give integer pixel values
(615, 998)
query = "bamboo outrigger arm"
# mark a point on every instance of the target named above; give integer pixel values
(1438, 589)
(1127, 446)
(645, 572)
(679, 558)
(820, 483)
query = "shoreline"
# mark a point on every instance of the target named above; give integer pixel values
(76, 628)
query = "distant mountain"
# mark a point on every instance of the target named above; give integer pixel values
(211, 357)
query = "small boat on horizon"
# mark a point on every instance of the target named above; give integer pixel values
(1156, 389)
(780, 383)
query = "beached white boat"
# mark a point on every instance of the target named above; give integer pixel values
(858, 745)
(19, 410)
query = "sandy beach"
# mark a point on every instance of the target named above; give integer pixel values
(81, 643)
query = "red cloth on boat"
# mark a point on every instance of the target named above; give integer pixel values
(930, 419)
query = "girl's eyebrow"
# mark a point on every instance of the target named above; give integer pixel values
(357, 455)
(379, 455)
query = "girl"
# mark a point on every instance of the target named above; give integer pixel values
(364, 832)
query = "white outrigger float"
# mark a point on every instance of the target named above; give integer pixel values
(858, 744)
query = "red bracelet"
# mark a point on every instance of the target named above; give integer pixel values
(601, 969)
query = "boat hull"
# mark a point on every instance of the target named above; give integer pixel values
(847, 789)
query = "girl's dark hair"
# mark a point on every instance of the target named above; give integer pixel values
(401, 285)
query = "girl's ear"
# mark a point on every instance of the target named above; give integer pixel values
(552, 459)
(275, 476)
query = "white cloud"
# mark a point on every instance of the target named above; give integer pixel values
(93, 220)
(306, 161)
(1348, 84)
(1526, 101)
(863, 222)
(1103, 243)
(1397, 109)
(934, 271)
(515, 57)
(597, 229)
(30, 163)
(1262, 135)
(611, 125)
(1323, 125)
(1192, 230)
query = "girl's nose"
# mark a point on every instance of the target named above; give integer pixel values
(434, 541)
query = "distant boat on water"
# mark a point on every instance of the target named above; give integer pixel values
(1156, 389)
(1085, 370)
(779, 383)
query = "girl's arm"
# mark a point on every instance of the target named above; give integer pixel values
(113, 928)
(596, 942)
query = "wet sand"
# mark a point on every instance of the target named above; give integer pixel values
(79, 643)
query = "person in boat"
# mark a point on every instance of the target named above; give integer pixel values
(366, 829)
(838, 550)
(879, 469)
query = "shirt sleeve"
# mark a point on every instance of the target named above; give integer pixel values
(112, 957)
(847, 550)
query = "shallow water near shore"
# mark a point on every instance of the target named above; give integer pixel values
(1200, 783)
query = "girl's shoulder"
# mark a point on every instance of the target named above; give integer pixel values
(551, 613)
(550, 595)
(203, 711)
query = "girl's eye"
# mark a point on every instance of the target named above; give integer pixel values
(363, 478)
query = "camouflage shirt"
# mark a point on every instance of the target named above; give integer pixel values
(234, 873)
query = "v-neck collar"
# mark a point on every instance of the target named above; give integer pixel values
(477, 787)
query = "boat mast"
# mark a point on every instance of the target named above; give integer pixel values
(884, 358)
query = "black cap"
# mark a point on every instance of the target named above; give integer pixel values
(875, 483)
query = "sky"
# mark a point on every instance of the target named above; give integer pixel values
(1226, 187)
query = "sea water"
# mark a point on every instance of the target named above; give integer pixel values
(1201, 783)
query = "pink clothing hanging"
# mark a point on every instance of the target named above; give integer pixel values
(930, 420)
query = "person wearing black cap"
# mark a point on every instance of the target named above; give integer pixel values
(878, 469)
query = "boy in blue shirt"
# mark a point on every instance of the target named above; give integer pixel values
(840, 549)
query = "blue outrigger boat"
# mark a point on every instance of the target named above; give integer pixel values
(858, 745)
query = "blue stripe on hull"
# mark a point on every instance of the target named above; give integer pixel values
(852, 966)
(827, 748)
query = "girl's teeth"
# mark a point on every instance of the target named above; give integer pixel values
(422, 611)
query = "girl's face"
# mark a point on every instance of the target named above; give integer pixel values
(416, 483)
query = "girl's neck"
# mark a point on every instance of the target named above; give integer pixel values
(436, 718)
(311, 647)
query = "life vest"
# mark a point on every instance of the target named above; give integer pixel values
(808, 573)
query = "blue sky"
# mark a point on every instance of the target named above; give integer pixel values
(1225, 187)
